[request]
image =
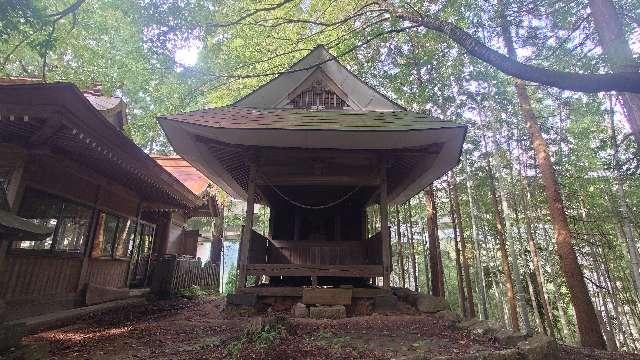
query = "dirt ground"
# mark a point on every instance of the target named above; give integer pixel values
(198, 329)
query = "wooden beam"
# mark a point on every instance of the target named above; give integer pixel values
(314, 270)
(243, 252)
(326, 296)
(384, 226)
(317, 243)
(47, 131)
(272, 291)
(291, 291)
(298, 180)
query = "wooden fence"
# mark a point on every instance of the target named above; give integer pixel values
(173, 273)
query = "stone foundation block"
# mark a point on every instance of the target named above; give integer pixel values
(242, 299)
(100, 294)
(299, 310)
(328, 312)
(386, 303)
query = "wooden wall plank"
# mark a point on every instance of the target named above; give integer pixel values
(315, 270)
(30, 275)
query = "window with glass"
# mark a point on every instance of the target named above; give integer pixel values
(68, 220)
(114, 236)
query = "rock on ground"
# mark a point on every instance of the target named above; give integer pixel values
(299, 310)
(539, 347)
(328, 312)
(431, 304)
(447, 315)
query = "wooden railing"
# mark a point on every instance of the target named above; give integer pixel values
(264, 251)
(257, 248)
(173, 273)
(317, 252)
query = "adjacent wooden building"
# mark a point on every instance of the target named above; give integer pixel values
(318, 146)
(66, 164)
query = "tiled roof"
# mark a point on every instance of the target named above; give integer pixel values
(290, 119)
(183, 171)
(87, 138)
(18, 80)
(103, 102)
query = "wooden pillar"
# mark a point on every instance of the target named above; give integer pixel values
(83, 278)
(136, 240)
(243, 252)
(384, 227)
(14, 195)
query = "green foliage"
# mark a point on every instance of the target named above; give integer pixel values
(329, 339)
(195, 292)
(230, 283)
(272, 332)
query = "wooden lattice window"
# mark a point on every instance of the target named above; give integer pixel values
(319, 97)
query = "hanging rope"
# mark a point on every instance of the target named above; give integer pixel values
(316, 207)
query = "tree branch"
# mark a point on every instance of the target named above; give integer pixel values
(251, 14)
(590, 83)
(67, 11)
(331, 58)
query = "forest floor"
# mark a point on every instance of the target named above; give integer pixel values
(198, 329)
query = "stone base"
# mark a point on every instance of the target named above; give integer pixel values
(100, 294)
(242, 299)
(322, 296)
(382, 304)
(328, 312)
(299, 310)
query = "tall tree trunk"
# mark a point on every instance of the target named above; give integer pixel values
(437, 277)
(590, 332)
(517, 237)
(534, 302)
(425, 256)
(484, 311)
(613, 41)
(586, 318)
(400, 247)
(623, 212)
(618, 310)
(564, 323)
(454, 225)
(470, 306)
(412, 248)
(502, 246)
(500, 303)
(509, 209)
(607, 324)
(535, 257)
